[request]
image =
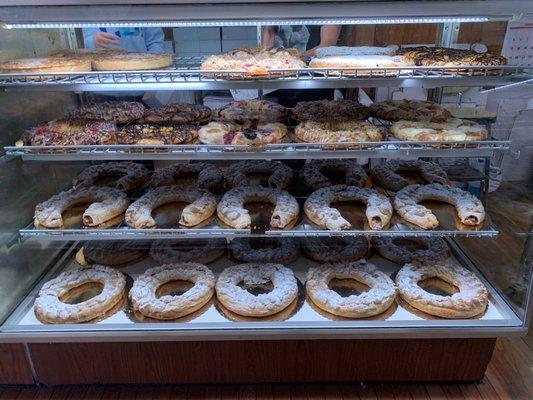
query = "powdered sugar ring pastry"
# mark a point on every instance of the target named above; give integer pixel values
(329, 51)
(240, 301)
(343, 132)
(114, 253)
(317, 207)
(453, 130)
(203, 204)
(106, 203)
(203, 251)
(372, 302)
(143, 294)
(50, 309)
(345, 63)
(251, 134)
(312, 173)
(410, 110)
(252, 110)
(208, 175)
(335, 249)
(469, 208)
(397, 250)
(129, 175)
(330, 110)
(261, 250)
(237, 174)
(471, 300)
(387, 174)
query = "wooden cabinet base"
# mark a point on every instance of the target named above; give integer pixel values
(14, 366)
(262, 361)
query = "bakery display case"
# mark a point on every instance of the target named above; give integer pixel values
(384, 214)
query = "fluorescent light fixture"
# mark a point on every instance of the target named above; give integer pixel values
(177, 24)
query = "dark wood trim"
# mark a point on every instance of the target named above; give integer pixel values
(14, 366)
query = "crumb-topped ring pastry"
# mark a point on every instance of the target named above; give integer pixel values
(387, 174)
(129, 175)
(148, 134)
(469, 208)
(202, 251)
(260, 250)
(471, 300)
(372, 302)
(342, 132)
(120, 112)
(143, 293)
(330, 110)
(237, 173)
(50, 309)
(237, 299)
(232, 212)
(203, 205)
(410, 110)
(252, 110)
(335, 249)
(397, 249)
(208, 175)
(312, 173)
(318, 208)
(181, 113)
(106, 203)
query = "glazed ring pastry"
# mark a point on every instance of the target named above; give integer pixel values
(317, 207)
(252, 110)
(312, 173)
(251, 134)
(129, 175)
(50, 309)
(106, 203)
(471, 300)
(203, 251)
(203, 205)
(180, 113)
(262, 250)
(237, 174)
(453, 130)
(410, 110)
(208, 176)
(397, 249)
(237, 299)
(334, 249)
(113, 253)
(387, 174)
(143, 294)
(469, 208)
(232, 212)
(337, 132)
(372, 302)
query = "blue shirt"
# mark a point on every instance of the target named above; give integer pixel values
(131, 39)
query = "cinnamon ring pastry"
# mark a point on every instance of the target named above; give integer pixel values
(203, 251)
(106, 203)
(318, 208)
(232, 212)
(237, 299)
(143, 293)
(312, 173)
(260, 250)
(50, 309)
(372, 302)
(335, 249)
(469, 207)
(114, 253)
(387, 176)
(237, 174)
(203, 205)
(471, 300)
(392, 248)
(209, 176)
(130, 175)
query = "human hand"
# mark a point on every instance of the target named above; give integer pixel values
(104, 40)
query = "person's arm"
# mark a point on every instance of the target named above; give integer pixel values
(154, 39)
(267, 36)
(94, 38)
(329, 35)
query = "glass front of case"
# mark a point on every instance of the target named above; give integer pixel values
(294, 254)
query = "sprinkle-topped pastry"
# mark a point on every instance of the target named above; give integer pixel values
(410, 110)
(330, 110)
(120, 112)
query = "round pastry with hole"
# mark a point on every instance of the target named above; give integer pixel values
(400, 249)
(129, 175)
(203, 205)
(203, 251)
(231, 209)
(335, 249)
(282, 250)
(50, 308)
(144, 298)
(471, 299)
(113, 253)
(312, 173)
(235, 297)
(318, 208)
(106, 203)
(252, 110)
(208, 175)
(469, 208)
(237, 174)
(337, 134)
(376, 300)
(388, 175)
(253, 134)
